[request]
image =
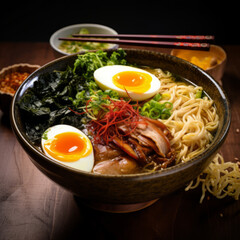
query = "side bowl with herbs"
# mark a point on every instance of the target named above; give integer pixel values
(57, 92)
(62, 48)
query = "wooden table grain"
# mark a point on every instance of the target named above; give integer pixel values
(35, 208)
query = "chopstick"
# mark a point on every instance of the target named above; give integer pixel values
(188, 38)
(202, 44)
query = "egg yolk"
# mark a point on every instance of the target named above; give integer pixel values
(138, 82)
(68, 146)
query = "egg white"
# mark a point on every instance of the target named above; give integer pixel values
(85, 163)
(103, 77)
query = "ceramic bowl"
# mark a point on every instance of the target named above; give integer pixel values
(216, 70)
(74, 29)
(5, 95)
(134, 188)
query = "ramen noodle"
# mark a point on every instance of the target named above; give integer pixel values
(192, 124)
(193, 120)
(220, 178)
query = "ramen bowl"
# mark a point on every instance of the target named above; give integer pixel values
(132, 188)
(75, 29)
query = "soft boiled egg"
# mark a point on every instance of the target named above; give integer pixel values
(128, 81)
(68, 145)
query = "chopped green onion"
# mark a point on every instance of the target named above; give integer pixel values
(198, 94)
(156, 110)
(154, 113)
(157, 97)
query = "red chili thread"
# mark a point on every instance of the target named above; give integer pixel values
(119, 112)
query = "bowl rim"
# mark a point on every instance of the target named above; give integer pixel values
(138, 176)
(53, 36)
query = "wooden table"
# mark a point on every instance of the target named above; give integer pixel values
(34, 207)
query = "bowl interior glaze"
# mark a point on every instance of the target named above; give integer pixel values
(134, 188)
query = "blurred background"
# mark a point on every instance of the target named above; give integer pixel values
(36, 21)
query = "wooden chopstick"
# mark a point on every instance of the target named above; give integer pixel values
(168, 44)
(188, 38)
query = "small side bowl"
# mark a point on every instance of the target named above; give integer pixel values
(217, 70)
(6, 97)
(69, 30)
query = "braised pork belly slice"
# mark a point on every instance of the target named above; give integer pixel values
(132, 149)
(105, 152)
(117, 166)
(154, 133)
(151, 133)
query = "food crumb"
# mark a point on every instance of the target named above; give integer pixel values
(237, 130)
